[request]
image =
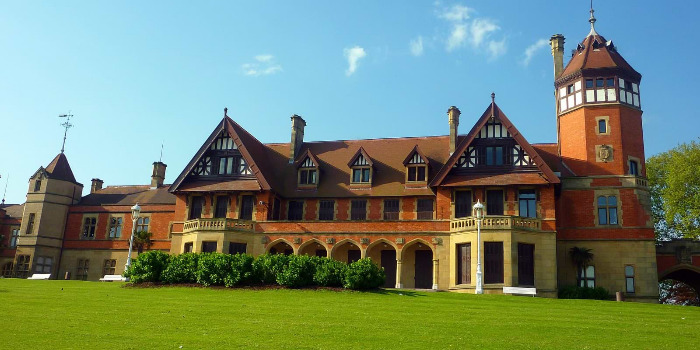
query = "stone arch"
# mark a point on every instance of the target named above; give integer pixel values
(345, 252)
(418, 266)
(385, 254)
(686, 273)
(307, 248)
(278, 245)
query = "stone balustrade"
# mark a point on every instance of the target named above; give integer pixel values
(217, 225)
(496, 223)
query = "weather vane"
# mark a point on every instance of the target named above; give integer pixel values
(67, 125)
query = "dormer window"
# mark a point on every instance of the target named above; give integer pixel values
(570, 96)
(361, 168)
(308, 173)
(416, 167)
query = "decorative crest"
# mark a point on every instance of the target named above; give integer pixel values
(592, 20)
(493, 97)
(225, 112)
(67, 125)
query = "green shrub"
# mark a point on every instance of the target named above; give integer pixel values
(242, 269)
(266, 267)
(148, 267)
(215, 269)
(574, 292)
(329, 272)
(363, 274)
(181, 269)
(298, 272)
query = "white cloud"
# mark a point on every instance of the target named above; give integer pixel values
(264, 65)
(481, 28)
(456, 13)
(416, 46)
(353, 55)
(457, 37)
(497, 48)
(532, 49)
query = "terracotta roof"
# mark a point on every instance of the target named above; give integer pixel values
(14, 210)
(549, 153)
(495, 179)
(129, 195)
(597, 53)
(59, 169)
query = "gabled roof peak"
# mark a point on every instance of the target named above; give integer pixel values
(59, 169)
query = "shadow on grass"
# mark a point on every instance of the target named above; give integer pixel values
(399, 292)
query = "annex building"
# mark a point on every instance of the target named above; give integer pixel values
(406, 203)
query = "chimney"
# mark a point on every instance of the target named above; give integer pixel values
(298, 125)
(158, 174)
(96, 185)
(453, 118)
(557, 44)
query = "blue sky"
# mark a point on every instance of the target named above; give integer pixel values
(137, 74)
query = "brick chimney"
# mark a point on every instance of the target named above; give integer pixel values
(158, 175)
(557, 44)
(96, 185)
(453, 118)
(298, 125)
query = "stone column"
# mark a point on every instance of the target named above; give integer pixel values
(398, 274)
(435, 274)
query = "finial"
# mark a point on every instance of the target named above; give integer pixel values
(592, 21)
(67, 125)
(493, 97)
(225, 112)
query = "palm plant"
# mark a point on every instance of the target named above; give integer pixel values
(142, 239)
(581, 257)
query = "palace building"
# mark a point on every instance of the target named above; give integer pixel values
(406, 203)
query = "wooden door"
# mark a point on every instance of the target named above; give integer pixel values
(464, 263)
(424, 269)
(526, 264)
(388, 261)
(493, 262)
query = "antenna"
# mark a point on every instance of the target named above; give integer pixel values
(67, 125)
(160, 160)
(2, 204)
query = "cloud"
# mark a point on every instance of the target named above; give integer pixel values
(481, 28)
(457, 37)
(532, 50)
(264, 65)
(416, 46)
(456, 13)
(497, 48)
(353, 55)
(477, 31)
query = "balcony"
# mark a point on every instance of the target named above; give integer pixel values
(217, 225)
(496, 223)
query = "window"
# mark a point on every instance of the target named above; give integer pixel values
(586, 277)
(493, 262)
(81, 272)
(295, 210)
(30, 223)
(463, 204)
(89, 225)
(246, 207)
(326, 210)
(629, 92)
(391, 209)
(494, 202)
(607, 210)
(115, 227)
(570, 95)
(37, 185)
(464, 263)
(602, 126)
(237, 248)
(416, 173)
(424, 209)
(634, 168)
(276, 204)
(6, 270)
(415, 168)
(42, 264)
(23, 265)
(203, 167)
(528, 203)
(526, 264)
(221, 207)
(196, 207)
(188, 248)
(142, 223)
(629, 278)
(494, 155)
(14, 237)
(307, 172)
(361, 175)
(109, 267)
(209, 247)
(358, 209)
(601, 90)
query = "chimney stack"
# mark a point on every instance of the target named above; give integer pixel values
(96, 185)
(298, 125)
(453, 118)
(158, 175)
(557, 44)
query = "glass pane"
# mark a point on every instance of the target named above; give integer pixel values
(602, 127)
(589, 83)
(590, 283)
(590, 271)
(613, 216)
(229, 165)
(612, 200)
(602, 216)
(629, 271)
(421, 174)
(602, 201)
(630, 285)
(610, 82)
(222, 166)
(531, 210)
(312, 176)
(365, 175)
(356, 173)
(599, 82)
(412, 174)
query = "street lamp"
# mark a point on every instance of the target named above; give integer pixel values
(135, 211)
(478, 213)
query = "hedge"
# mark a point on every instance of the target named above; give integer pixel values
(574, 292)
(217, 269)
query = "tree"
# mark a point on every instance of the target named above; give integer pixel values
(142, 239)
(581, 257)
(674, 186)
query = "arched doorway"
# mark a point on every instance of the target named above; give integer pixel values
(417, 265)
(347, 251)
(680, 285)
(383, 253)
(313, 247)
(280, 247)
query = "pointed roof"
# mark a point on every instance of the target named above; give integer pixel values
(302, 157)
(359, 152)
(251, 149)
(59, 169)
(493, 110)
(415, 150)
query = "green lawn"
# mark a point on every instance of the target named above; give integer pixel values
(92, 315)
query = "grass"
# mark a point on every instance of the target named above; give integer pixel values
(92, 315)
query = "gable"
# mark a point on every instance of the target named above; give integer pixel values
(361, 158)
(415, 157)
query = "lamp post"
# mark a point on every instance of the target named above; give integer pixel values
(478, 213)
(135, 211)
